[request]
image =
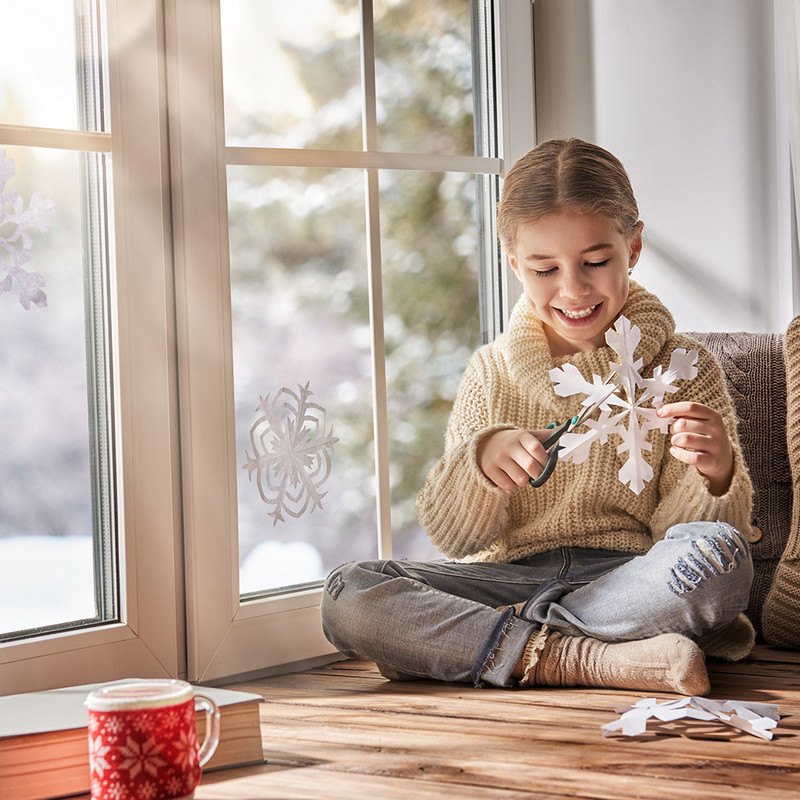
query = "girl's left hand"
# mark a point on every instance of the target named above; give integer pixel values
(699, 438)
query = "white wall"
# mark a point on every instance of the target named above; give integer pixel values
(684, 93)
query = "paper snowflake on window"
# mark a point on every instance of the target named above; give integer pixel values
(630, 410)
(15, 241)
(291, 453)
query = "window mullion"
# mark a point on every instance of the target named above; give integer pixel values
(516, 108)
(97, 304)
(374, 266)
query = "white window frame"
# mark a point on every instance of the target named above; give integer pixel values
(149, 639)
(180, 610)
(226, 636)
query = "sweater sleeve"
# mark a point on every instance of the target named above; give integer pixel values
(683, 491)
(461, 510)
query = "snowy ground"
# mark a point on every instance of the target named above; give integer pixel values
(48, 580)
(45, 580)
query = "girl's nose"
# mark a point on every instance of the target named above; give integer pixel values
(574, 285)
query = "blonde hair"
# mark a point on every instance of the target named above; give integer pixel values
(564, 174)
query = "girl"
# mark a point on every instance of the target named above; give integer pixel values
(579, 581)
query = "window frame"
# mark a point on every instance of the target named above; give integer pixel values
(149, 638)
(227, 636)
(180, 610)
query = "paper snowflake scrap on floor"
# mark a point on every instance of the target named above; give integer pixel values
(757, 719)
(291, 453)
(630, 410)
(15, 241)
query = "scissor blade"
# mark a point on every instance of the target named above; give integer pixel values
(584, 415)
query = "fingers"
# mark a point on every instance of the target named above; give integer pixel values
(695, 427)
(687, 409)
(700, 439)
(510, 458)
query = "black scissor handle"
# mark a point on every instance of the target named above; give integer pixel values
(552, 455)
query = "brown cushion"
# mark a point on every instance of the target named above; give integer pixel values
(755, 370)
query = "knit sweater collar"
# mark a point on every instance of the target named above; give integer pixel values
(528, 355)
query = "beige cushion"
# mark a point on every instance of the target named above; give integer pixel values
(781, 613)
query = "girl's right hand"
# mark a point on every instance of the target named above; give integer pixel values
(509, 458)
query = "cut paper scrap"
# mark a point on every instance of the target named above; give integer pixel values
(758, 719)
(636, 399)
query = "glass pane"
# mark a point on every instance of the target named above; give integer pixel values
(45, 473)
(302, 373)
(423, 76)
(38, 83)
(292, 73)
(432, 326)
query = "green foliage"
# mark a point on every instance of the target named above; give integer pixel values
(299, 235)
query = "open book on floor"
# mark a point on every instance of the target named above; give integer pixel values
(44, 746)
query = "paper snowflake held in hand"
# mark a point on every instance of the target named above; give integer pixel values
(291, 453)
(635, 400)
(15, 240)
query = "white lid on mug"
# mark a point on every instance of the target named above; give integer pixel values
(133, 693)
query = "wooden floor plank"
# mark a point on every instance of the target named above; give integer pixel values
(342, 731)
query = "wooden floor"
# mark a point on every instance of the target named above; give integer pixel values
(343, 731)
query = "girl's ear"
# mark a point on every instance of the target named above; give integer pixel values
(635, 245)
(512, 260)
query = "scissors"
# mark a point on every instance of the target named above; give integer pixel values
(552, 443)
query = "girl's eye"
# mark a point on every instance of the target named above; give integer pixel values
(543, 273)
(596, 264)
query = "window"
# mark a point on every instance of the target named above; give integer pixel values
(346, 248)
(56, 496)
(300, 259)
(95, 392)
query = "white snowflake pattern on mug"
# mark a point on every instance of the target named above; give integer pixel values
(147, 791)
(139, 756)
(185, 750)
(98, 753)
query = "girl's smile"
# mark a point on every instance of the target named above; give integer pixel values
(574, 271)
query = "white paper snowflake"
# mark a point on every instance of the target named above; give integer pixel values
(15, 241)
(632, 419)
(291, 453)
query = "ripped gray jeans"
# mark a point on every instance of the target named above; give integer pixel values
(440, 619)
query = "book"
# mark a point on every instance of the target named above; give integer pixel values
(44, 743)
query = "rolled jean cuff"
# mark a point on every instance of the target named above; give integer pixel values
(490, 645)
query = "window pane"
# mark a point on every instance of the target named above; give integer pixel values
(302, 373)
(423, 76)
(38, 82)
(45, 472)
(431, 327)
(292, 73)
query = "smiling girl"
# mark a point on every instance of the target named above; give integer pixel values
(580, 581)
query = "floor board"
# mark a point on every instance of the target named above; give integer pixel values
(342, 731)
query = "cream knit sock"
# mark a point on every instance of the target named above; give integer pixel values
(733, 643)
(666, 663)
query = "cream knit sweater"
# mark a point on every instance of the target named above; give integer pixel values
(506, 385)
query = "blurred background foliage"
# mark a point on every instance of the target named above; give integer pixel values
(299, 267)
(299, 276)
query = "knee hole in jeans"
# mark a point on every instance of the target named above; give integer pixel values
(712, 554)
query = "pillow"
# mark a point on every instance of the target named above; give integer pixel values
(755, 371)
(781, 614)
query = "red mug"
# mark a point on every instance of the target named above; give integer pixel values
(143, 739)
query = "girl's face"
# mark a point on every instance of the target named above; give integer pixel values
(574, 270)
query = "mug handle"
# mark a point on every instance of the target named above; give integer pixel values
(211, 740)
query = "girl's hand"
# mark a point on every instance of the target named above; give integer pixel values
(699, 438)
(509, 458)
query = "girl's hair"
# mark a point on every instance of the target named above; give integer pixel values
(565, 174)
